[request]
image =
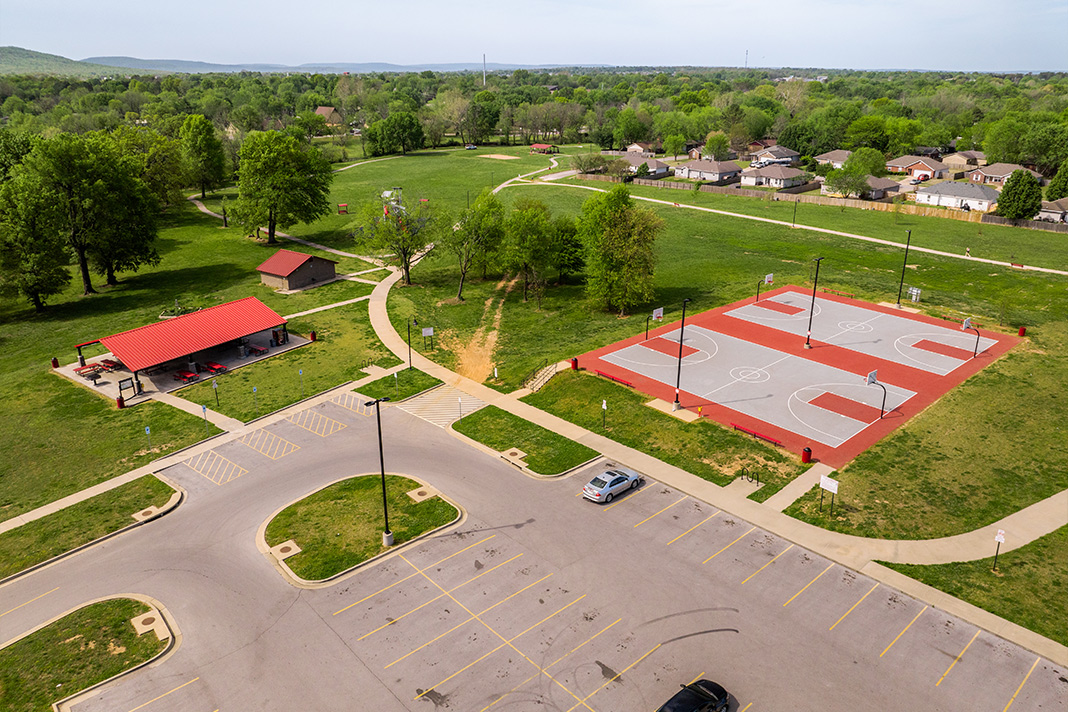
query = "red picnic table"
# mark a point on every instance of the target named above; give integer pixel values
(186, 376)
(258, 350)
(214, 367)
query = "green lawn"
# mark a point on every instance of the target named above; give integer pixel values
(78, 524)
(402, 384)
(702, 448)
(341, 526)
(88, 646)
(547, 452)
(1030, 587)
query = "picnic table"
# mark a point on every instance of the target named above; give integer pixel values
(88, 370)
(257, 350)
(111, 365)
(186, 376)
(93, 376)
(214, 367)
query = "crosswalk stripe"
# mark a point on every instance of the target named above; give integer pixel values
(442, 406)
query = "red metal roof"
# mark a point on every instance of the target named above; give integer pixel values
(541, 145)
(153, 344)
(283, 263)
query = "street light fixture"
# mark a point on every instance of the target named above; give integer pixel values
(908, 241)
(387, 535)
(682, 332)
(410, 322)
(808, 338)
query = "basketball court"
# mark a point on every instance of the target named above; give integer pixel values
(745, 366)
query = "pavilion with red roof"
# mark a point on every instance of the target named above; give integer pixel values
(287, 269)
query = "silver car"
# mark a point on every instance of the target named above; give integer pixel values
(610, 483)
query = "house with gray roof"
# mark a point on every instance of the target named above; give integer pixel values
(773, 176)
(836, 158)
(959, 196)
(877, 189)
(657, 169)
(965, 160)
(715, 171)
(777, 154)
(1054, 211)
(998, 173)
(917, 167)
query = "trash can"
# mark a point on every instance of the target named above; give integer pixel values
(312, 336)
(120, 402)
(55, 361)
(806, 455)
(1023, 332)
(574, 364)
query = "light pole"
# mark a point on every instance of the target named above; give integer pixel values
(908, 241)
(808, 338)
(387, 535)
(682, 332)
(410, 322)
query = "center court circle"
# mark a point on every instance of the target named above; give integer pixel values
(856, 326)
(750, 374)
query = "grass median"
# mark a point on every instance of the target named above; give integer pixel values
(79, 650)
(1030, 587)
(341, 525)
(78, 524)
(400, 385)
(547, 452)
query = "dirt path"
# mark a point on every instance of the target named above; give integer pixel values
(475, 359)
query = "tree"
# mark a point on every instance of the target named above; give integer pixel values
(394, 229)
(565, 247)
(33, 258)
(281, 183)
(1058, 187)
(1021, 198)
(476, 233)
(526, 246)
(159, 160)
(717, 146)
(96, 201)
(618, 237)
(404, 131)
(867, 161)
(674, 145)
(867, 131)
(203, 153)
(848, 181)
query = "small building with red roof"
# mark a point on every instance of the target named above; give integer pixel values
(544, 148)
(287, 270)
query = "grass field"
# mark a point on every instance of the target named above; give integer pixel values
(78, 524)
(88, 646)
(1030, 587)
(403, 384)
(702, 448)
(341, 526)
(547, 452)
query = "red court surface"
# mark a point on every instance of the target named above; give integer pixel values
(745, 364)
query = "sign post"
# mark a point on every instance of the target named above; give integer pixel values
(204, 412)
(830, 485)
(148, 433)
(428, 331)
(255, 401)
(604, 414)
(301, 372)
(1000, 539)
(215, 387)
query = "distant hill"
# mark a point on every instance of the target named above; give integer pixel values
(15, 60)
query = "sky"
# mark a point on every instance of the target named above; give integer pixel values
(990, 36)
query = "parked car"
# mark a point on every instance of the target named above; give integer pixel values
(610, 483)
(915, 181)
(699, 696)
(470, 147)
(757, 164)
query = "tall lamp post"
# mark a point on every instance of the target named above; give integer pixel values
(682, 332)
(812, 309)
(387, 535)
(410, 322)
(908, 241)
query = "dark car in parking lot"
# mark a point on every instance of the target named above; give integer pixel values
(698, 696)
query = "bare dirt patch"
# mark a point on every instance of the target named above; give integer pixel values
(499, 156)
(475, 358)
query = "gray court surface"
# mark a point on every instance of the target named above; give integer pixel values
(763, 383)
(855, 328)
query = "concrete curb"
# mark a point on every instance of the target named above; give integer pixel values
(520, 468)
(297, 582)
(176, 499)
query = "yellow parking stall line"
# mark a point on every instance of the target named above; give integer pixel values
(215, 467)
(631, 494)
(28, 602)
(351, 402)
(746, 707)
(1021, 685)
(417, 572)
(268, 444)
(903, 631)
(854, 606)
(808, 584)
(728, 546)
(767, 564)
(473, 617)
(165, 694)
(507, 642)
(616, 677)
(317, 423)
(660, 512)
(562, 657)
(691, 528)
(438, 597)
(957, 659)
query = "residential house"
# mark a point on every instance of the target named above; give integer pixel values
(877, 189)
(917, 167)
(778, 154)
(960, 196)
(715, 171)
(332, 115)
(965, 160)
(1054, 211)
(698, 152)
(286, 269)
(998, 173)
(657, 169)
(773, 176)
(760, 144)
(643, 149)
(836, 158)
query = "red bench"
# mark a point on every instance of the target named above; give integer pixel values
(755, 434)
(613, 378)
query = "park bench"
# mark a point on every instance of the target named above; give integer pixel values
(755, 434)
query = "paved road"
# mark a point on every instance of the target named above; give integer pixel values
(538, 600)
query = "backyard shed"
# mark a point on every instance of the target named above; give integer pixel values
(286, 269)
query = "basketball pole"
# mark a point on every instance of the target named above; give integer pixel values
(908, 241)
(682, 332)
(811, 311)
